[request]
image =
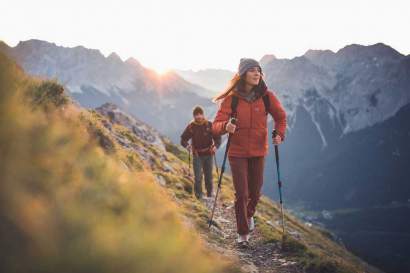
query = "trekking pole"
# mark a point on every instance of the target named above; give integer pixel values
(189, 163)
(233, 121)
(274, 134)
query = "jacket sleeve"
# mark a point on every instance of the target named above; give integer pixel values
(222, 117)
(186, 136)
(278, 113)
(217, 139)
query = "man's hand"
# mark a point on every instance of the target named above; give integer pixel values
(189, 147)
(230, 127)
(277, 140)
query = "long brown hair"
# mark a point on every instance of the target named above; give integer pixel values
(239, 82)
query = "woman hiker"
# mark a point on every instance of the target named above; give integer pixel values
(248, 98)
(203, 146)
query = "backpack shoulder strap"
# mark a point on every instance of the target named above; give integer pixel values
(190, 127)
(209, 124)
(234, 105)
(266, 102)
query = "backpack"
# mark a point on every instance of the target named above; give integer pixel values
(234, 104)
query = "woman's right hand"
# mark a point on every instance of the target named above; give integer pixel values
(230, 127)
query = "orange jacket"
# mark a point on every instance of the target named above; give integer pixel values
(251, 136)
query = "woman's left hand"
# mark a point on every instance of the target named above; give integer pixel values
(277, 140)
(213, 149)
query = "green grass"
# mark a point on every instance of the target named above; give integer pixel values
(176, 150)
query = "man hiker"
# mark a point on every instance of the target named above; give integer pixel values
(203, 146)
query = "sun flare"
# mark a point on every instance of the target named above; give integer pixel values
(161, 71)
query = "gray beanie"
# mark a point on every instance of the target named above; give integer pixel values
(245, 64)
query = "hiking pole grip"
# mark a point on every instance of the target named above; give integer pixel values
(274, 133)
(233, 120)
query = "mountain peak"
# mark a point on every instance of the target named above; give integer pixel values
(133, 62)
(3, 46)
(313, 53)
(377, 50)
(114, 57)
(45, 46)
(267, 58)
(35, 43)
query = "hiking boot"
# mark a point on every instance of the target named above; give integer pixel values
(206, 200)
(243, 241)
(243, 244)
(212, 195)
(251, 224)
(199, 196)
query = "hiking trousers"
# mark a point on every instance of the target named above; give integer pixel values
(247, 175)
(203, 165)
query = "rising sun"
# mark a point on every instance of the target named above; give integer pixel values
(161, 71)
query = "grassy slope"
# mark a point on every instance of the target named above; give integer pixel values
(66, 205)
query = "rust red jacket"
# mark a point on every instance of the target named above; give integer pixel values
(251, 135)
(201, 137)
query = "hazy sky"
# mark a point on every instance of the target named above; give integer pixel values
(189, 34)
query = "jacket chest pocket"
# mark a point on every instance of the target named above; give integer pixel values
(259, 116)
(244, 114)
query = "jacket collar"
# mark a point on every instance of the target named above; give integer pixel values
(254, 95)
(205, 121)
